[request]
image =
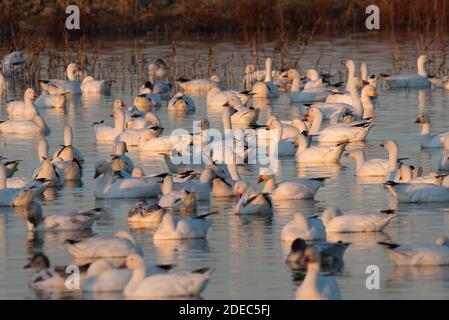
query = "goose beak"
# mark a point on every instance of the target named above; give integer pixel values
(382, 145)
(418, 120)
(27, 266)
(375, 94)
(238, 195)
(123, 265)
(260, 179)
(35, 96)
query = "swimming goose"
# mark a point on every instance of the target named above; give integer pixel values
(429, 140)
(266, 88)
(147, 100)
(174, 228)
(119, 160)
(69, 169)
(352, 80)
(91, 86)
(11, 60)
(417, 80)
(218, 98)
(186, 284)
(181, 102)
(107, 187)
(12, 197)
(108, 134)
(120, 245)
(46, 276)
(438, 82)
(315, 286)
(46, 169)
(372, 167)
(340, 133)
(418, 192)
(102, 276)
(335, 221)
(34, 127)
(304, 228)
(176, 199)
(144, 214)
(250, 201)
(51, 101)
(149, 141)
(62, 151)
(331, 254)
(241, 116)
(198, 87)
(133, 137)
(311, 91)
(429, 255)
(61, 221)
(10, 166)
(156, 75)
(200, 188)
(23, 110)
(297, 189)
(71, 85)
(283, 147)
(317, 154)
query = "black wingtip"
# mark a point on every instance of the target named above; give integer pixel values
(389, 245)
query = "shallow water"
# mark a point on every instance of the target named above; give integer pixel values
(246, 252)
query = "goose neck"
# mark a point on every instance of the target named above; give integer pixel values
(269, 185)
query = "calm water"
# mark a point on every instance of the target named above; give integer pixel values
(246, 252)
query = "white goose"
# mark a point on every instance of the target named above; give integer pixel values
(119, 246)
(266, 88)
(317, 154)
(311, 92)
(250, 201)
(69, 169)
(174, 228)
(305, 228)
(23, 110)
(62, 151)
(12, 197)
(108, 134)
(91, 86)
(373, 79)
(188, 284)
(34, 127)
(61, 221)
(119, 160)
(108, 187)
(176, 199)
(338, 97)
(157, 72)
(429, 140)
(46, 169)
(430, 255)
(198, 87)
(297, 189)
(143, 214)
(340, 133)
(71, 85)
(374, 167)
(335, 221)
(147, 100)
(11, 60)
(418, 192)
(181, 102)
(316, 286)
(417, 80)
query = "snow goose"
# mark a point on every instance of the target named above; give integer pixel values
(221, 188)
(120, 245)
(392, 172)
(10, 166)
(34, 127)
(12, 197)
(200, 188)
(174, 228)
(266, 88)
(51, 101)
(310, 93)
(147, 101)
(198, 87)
(429, 140)
(218, 98)
(46, 169)
(250, 201)
(144, 214)
(315, 286)
(161, 88)
(70, 169)
(304, 228)
(283, 147)
(60, 221)
(181, 102)
(62, 151)
(11, 60)
(419, 255)
(438, 82)
(107, 187)
(119, 159)
(289, 130)
(241, 116)
(23, 110)
(185, 284)
(317, 154)
(417, 80)
(289, 190)
(418, 192)
(149, 141)
(176, 199)
(369, 168)
(108, 134)
(71, 85)
(335, 221)
(340, 133)
(46, 276)
(338, 97)
(443, 164)
(373, 79)
(91, 86)
(331, 254)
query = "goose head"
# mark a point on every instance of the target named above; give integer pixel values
(389, 145)
(30, 94)
(215, 78)
(102, 167)
(368, 91)
(204, 124)
(119, 104)
(443, 241)
(329, 214)
(134, 262)
(312, 74)
(39, 261)
(138, 172)
(239, 188)
(72, 69)
(422, 118)
(350, 65)
(264, 178)
(250, 68)
(297, 249)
